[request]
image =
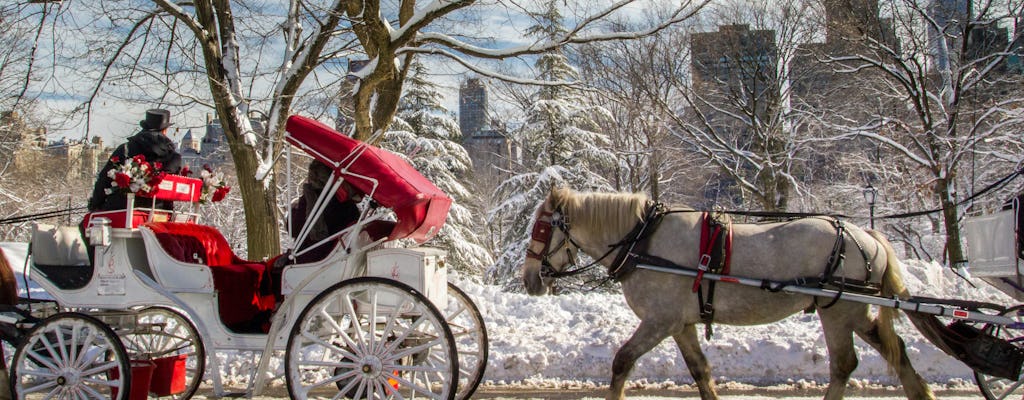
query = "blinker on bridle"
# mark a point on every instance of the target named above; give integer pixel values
(542, 231)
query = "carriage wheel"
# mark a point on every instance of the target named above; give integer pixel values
(467, 325)
(994, 388)
(371, 338)
(71, 356)
(168, 338)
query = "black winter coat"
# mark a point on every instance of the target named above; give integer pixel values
(155, 147)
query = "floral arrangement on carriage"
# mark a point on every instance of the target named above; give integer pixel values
(142, 178)
(214, 187)
(135, 175)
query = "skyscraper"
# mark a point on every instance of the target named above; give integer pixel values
(489, 148)
(472, 107)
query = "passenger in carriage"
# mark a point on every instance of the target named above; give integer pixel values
(152, 142)
(337, 215)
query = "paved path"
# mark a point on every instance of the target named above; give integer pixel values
(500, 393)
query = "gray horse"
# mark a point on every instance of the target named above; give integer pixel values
(667, 307)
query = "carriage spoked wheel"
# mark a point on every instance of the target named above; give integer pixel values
(994, 388)
(169, 339)
(371, 338)
(71, 356)
(467, 325)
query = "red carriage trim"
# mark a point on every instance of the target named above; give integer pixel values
(420, 207)
(178, 188)
(245, 287)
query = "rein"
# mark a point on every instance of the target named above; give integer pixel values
(542, 233)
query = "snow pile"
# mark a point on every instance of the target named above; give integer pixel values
(540, 340)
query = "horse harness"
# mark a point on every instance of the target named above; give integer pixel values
(715, 251)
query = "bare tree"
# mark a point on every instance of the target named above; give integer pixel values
(735, 108)
(630, 80)
(166, 48)
(949, 102)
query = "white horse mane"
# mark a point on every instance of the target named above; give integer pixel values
(612, 212)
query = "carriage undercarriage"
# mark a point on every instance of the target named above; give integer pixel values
(160, 299)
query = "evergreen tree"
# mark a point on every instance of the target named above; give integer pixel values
(560, 147)
(428, 136)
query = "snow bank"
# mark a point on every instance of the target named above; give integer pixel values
(574, 337)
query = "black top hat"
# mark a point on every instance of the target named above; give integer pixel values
(156, 119)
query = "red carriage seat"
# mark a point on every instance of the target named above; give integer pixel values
(420, 207)
(244, 287)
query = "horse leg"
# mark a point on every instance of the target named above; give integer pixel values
(646, 336)
(689, 345)
(835, 321)
(913, 385)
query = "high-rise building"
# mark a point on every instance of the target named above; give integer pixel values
(344, 122)
(847, 20)
(489, 148)
(733, 56)
(472, 107)
(735, 72)
(944, 37)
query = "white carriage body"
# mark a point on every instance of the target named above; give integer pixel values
(993, 250)
(992, 244)
(133, 269)
(422, 268)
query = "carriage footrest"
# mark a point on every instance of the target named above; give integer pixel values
(983, 352)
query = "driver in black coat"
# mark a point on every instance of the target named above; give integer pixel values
(152, 143)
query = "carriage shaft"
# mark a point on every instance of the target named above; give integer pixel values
(906, 305)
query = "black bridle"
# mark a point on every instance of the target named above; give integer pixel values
(542, 230)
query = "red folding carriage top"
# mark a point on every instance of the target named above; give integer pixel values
(420, 207)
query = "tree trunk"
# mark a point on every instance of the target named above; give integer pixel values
(951, 220)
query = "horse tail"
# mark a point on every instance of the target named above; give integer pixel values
(8, 282)
(892, 286)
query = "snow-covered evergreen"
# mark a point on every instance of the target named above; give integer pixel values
(425, 132)
(560, 147)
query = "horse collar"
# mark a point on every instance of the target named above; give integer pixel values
(636, 240)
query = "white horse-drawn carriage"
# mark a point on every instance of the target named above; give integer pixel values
(165, 293)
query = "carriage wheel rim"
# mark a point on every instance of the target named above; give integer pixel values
(70, 355)
(333, 333)
(176, 336)
(470, 333)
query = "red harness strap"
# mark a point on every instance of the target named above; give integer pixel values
(712, 238)
(709, 232)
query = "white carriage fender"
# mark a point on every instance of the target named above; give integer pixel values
(275, 324)
(218, 387)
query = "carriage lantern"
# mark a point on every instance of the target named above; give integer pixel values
(869, 195)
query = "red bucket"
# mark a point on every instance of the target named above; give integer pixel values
(142, 373)
(169, 375)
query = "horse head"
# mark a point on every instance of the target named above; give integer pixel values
(550, 249)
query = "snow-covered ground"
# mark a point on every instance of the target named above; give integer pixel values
(554, 340)
(569, 341)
